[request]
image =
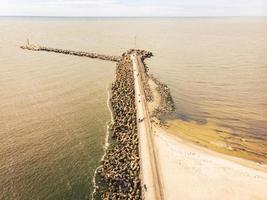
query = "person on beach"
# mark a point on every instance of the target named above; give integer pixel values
(145, 187)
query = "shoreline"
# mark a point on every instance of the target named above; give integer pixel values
(158, 110)
(106, 143)
(224, 142)
(212, 174)
(238, 160)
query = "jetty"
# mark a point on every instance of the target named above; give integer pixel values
(144, 161)
(33, 47)
(129, 169)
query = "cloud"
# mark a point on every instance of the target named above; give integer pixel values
(134, 7)
(78, 2)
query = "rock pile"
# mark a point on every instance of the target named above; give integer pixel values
(143, 53)
(166, 102)
(70, 52)
(120, 168)
(147, 90)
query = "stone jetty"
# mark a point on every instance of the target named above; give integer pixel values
(120, 169)
(70, 52)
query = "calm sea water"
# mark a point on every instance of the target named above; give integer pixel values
(53, 110)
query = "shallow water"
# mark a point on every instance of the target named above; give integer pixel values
(53, 110)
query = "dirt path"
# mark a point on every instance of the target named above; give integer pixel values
(152, 186)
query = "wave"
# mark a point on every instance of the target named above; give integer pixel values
(106, 144)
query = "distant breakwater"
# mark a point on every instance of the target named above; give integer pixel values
(71, 52)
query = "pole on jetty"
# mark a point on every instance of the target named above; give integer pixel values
(28, 41)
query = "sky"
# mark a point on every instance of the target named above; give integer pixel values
(133, 8)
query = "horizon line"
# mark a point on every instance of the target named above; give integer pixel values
(152, 16)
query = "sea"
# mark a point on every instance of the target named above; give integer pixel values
(53, 107)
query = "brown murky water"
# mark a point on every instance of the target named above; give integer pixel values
(53, 109)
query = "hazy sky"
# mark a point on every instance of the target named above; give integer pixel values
(134, 7)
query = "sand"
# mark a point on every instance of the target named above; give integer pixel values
(192, 173)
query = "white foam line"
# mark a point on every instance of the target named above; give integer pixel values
(106, 144)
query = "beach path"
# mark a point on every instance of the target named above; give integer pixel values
(152, 186)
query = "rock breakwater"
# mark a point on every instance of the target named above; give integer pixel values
(167, 105)
(118, 176)
(70, 52)
(120, 169)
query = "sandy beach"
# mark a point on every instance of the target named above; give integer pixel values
(190, 172)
